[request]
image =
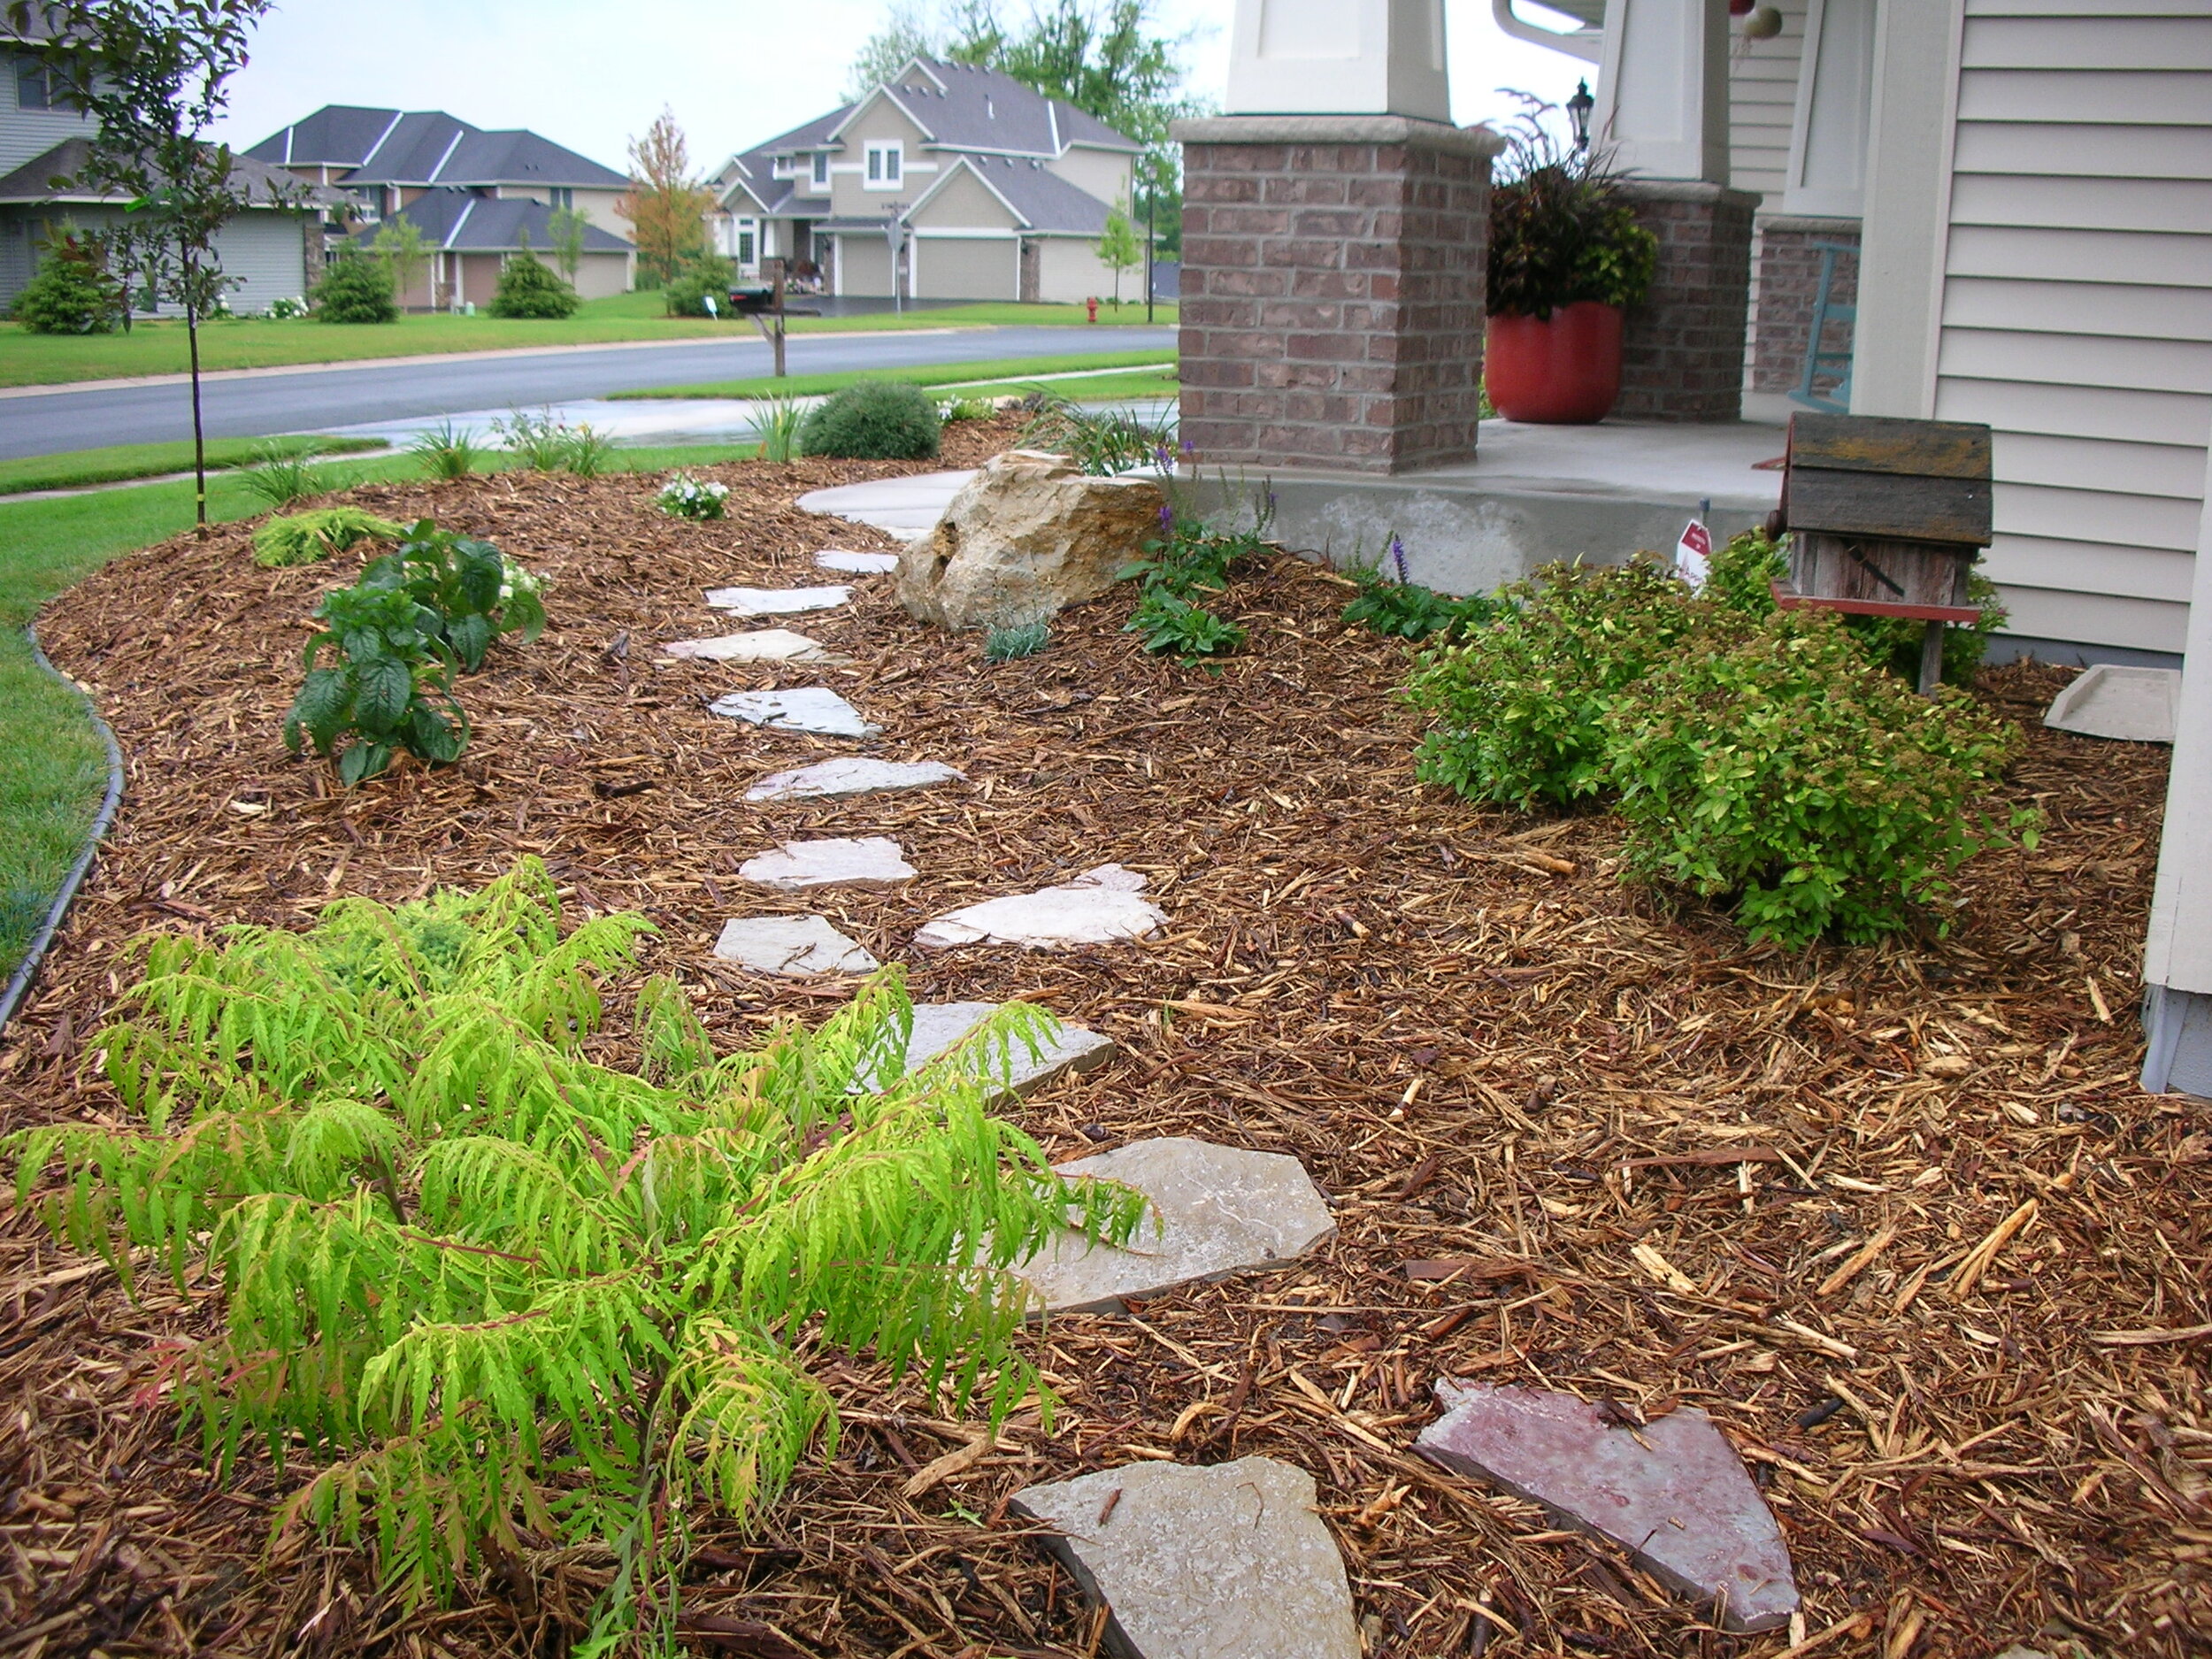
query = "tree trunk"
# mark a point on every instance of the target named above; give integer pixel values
(199, 435)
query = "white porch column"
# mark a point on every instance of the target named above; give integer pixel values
(1338, 57)
(1828, 133)
(1663, 88)
(2177, 955)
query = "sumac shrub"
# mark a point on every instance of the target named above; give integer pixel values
(1784, 769)
(303, 538)
(876, 420)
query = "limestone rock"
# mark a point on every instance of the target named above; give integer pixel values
(764, 645)
(1099, 907)
(1673, 1494)
(872, 862)
(776, 602)
(838, 558)
(1217, 1210)
(1228, 1562)
(813, 708)
(938, 1026)
(850, 775)
(791, 947)
(1026, 536)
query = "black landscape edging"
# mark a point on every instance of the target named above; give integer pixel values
(19, 983)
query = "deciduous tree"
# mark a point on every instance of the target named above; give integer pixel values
(399, 246)
(666, 204)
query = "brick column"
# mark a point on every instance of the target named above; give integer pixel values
(1789, 282)
(1684, 348)
(1333, 290)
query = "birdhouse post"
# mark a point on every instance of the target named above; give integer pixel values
(1886, 519)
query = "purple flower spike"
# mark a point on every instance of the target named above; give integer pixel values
(1398, 559)
(1188, 446)
(1167, 516)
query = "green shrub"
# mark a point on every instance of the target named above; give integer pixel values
(490, 1284)
(1743, 571)
(303, 538)
(875, 420)
(1785, 769)
(388, 687)
(685, 294)
(467, 593)
(70, 293)
(529, 289)
(355, 290)
(1519, 703)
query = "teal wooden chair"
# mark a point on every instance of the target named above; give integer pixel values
(1820, 359)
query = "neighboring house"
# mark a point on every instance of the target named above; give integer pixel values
(273, 250)
(479, 198)
(964, 182)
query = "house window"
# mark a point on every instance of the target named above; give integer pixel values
(34, 86)
(748, 243)
(781, 167)
(821, 169)
(372, 200)
(564, 197)
(886, 165)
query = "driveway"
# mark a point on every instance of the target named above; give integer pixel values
(318, 399)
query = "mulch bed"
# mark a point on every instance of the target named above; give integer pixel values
(1921, 1245)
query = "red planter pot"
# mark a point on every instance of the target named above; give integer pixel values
(1560, 370)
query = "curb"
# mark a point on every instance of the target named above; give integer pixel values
(19, 983)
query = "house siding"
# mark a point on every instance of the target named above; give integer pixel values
(880, 122)
(265, 253)
(1107, 174)
(2077, 306)
(967, 267)
(1761, 101)
(1068, 271)
(25, 133)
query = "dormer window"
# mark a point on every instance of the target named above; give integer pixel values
(886, 165)
(821, 170)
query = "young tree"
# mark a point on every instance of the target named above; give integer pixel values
(666, 206)
(152, 73)
(905, 36)
(399, 247)
(566, 225)
(1119, 248)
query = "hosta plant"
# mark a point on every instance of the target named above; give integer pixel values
(684, 497)
(303, 538)
(387, 686)
(468, 591)
(502, 1296)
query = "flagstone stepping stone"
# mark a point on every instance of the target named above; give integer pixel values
(905, 507)
(851, 775)
(2139, 705)
(874, 862)
(1673, 1492)
(1102, 906)
(1227, 1562)
(764, 645)
(814, 708)
(938, 1025)
(1217, 1210)
(838, 558)
(792, 947)
(776, 602)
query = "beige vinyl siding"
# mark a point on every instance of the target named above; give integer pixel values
(864, 267)
(879, 121)
(2077, 312)
(967, 267)
(961, 203)
(1761, 100)
(1108, 174)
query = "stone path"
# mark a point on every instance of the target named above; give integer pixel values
(938, 1025)
(776, 602)
(1099, 907)
(791, 947)
(908, 508)
(857, 563)
(872, 862)
(764, 645)
(813, 708)
(850, 775)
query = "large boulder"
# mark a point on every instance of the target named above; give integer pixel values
(1027, 535)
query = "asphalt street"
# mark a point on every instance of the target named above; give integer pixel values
(313, 400)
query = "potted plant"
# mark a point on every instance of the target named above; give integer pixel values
(1566, 256)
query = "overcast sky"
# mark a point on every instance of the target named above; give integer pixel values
(590, 75)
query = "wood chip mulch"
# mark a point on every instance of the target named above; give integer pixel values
(1897, 1218)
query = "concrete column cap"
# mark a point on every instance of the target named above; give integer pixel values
(1478, 142)
(1689, 190)
(1818, 224)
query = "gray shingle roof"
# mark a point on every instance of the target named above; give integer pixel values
(1044, 201)
(467, 223)
(427, 147)
(265, 186)
(755, 169)
(965, 107)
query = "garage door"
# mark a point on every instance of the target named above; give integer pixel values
(957, 268)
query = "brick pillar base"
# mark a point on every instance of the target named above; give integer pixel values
(1789, 282)
(1684, 351)
(1333, 290)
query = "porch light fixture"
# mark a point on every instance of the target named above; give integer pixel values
(1579, 108)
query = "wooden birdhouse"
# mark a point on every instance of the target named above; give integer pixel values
(1886, 519)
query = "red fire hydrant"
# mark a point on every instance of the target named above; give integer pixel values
(1091, 305)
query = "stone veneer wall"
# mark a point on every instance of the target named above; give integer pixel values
(1789, 282)
(1333, 282)
(1684, 346)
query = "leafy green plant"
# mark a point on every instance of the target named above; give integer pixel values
(1785, 769)
(685, 294)
(1165, 622)
(501, 1291)
(1016, 641)
(684, 497)
(1561, 231)
(540, 443)
(1100, 441)
(466, 592)
(1399, 609)
(529, 289)
(281, 476)
(447, 451)
(874, 420)
(1519, 703)
(779, 420)
(355, 290)
(387, 688)
(590, 452)
(1742, 573)
(305, 538)
(71, 292)
(966, 408)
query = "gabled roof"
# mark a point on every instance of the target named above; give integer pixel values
(265, 186)
(427, 147)
(753, 171)
(461, 222)
(1041, 200)
(966, 107)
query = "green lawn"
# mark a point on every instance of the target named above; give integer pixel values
(160, 348)
(927, 374)
(52, 768)
(1082, 388)
(76, 468)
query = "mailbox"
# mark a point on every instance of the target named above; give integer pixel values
(1886, 519)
